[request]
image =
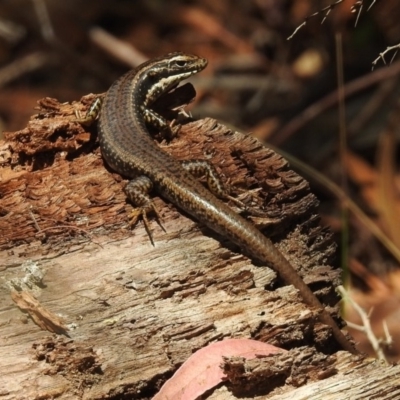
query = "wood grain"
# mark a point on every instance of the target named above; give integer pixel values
(135, 312)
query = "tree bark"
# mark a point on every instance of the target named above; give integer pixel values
(90, 309)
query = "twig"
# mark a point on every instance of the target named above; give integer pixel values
(331, 99)
(44, 21)
(357, 5)
(50, 37)
(370, 6)
(22, 66)
(11, 32)
(325, 10)
(119, 49)
(382, 55)
(351, 205)
(366, 325)
(388, 337)
(355, 8)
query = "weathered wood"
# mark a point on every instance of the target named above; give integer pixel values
(135, 312)
(347, 377)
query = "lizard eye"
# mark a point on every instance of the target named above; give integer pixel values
(180, 63)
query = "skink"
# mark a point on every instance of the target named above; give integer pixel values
(128, 148)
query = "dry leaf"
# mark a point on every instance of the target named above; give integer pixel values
(202, 371)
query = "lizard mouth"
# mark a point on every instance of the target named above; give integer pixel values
(173, 87)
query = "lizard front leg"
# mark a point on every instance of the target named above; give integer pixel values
(137, 191)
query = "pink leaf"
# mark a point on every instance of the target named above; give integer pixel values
(202, 370)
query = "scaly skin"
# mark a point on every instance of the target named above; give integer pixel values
(128, 148)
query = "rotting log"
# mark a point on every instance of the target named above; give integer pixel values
(90, 309)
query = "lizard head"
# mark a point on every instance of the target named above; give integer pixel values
(165, 73)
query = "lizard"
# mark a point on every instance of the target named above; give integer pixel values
(125, 113)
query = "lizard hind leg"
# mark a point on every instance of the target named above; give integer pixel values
(137, 191)
(199, 168)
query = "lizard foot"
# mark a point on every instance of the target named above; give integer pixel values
(141, 212)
